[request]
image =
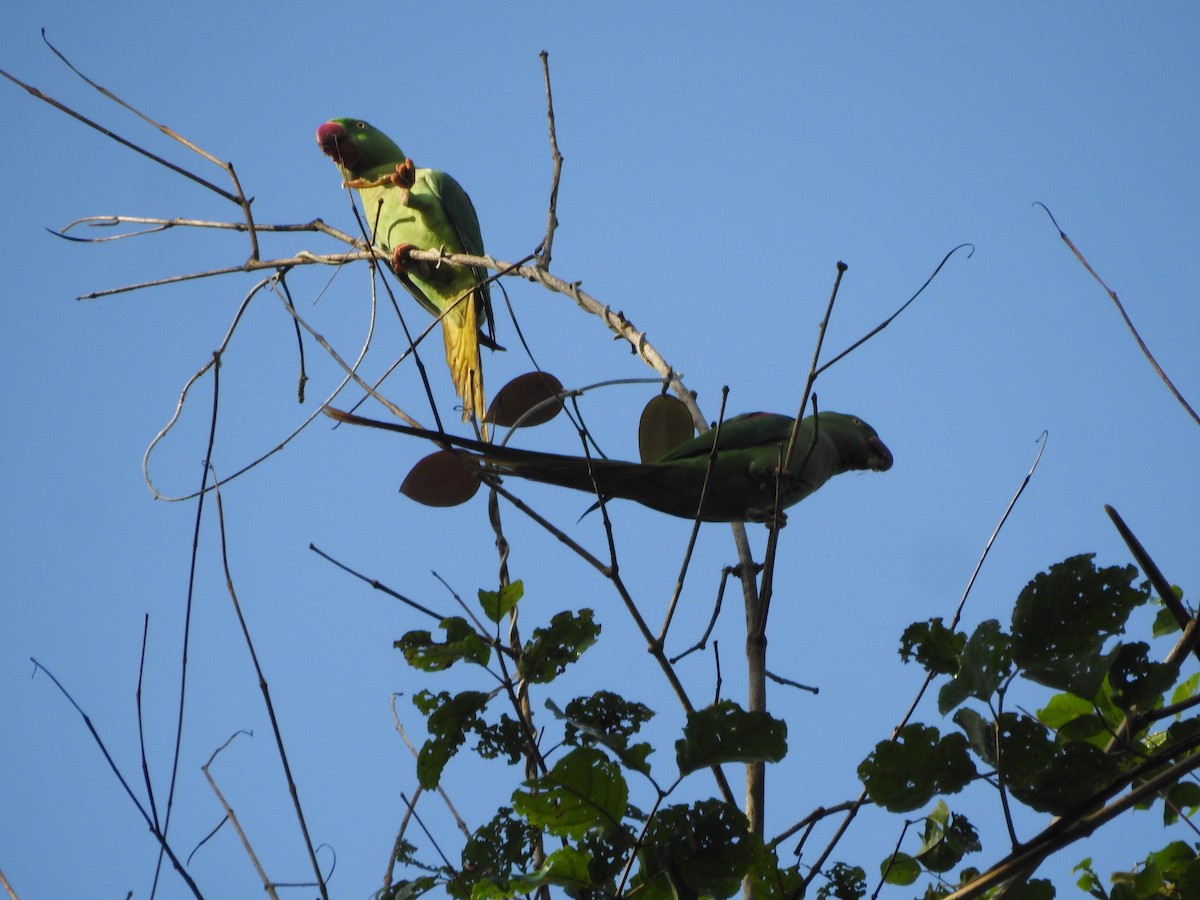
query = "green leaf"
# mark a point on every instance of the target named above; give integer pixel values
(984, 663)
(947, 838)
(934, 646)
(845, 883)
(1182, 798)
(462, 644)
(907, 772)
(497, 604)
(492, 854)
(666, 423)
(1136, 680)
(448, 719)
(1075, 773)
(505, 738)
(583, 792)
(724, 733)
(610, 720)
(900, 869)
(1186, 689)
(409, 890)
(703, 850)
(1063, 618)
(550, 650)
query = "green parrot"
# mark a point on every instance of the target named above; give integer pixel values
(425, 209)
(741, 480)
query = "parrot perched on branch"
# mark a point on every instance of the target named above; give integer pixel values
(741, 474)
(409, 208)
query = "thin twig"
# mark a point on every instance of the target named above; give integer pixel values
(551, 210)
(695, 533)
(154, 829)
(1124, 315)
(266, 692)
(233, 820)
(239, 198)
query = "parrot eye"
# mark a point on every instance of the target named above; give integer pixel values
(360, 125)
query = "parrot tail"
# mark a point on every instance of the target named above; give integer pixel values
(460, 330)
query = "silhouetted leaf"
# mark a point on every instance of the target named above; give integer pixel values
(1063, 617)
(442, 479)
(907, 772)
(665, 424)
(947, 838)
(934, 646)
(522, 394)
(1138, 681)
(983, 665)
(610, 720)
(703, 850)
(448, 718)
(551, 649)
(724, 733)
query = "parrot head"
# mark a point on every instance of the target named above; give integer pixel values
(357, 146)
(858, 445)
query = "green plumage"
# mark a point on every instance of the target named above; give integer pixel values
(426, 209)
(741, 475)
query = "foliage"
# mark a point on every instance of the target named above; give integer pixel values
(1107, 728)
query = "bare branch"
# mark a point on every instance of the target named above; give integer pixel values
(1124, 315)
(552, 209)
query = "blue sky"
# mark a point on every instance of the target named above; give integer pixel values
(718, 165)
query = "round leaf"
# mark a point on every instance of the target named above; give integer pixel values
(666, 423)
(521, 395)
(442, 479)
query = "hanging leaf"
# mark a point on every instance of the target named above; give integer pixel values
(521, 395)
(441, 479)
(666, 423)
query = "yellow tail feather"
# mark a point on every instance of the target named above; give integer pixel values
(460, 330)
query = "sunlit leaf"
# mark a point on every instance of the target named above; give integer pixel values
(665, 424)
(584, 791)
(497, 604)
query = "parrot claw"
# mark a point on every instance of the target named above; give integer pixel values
(402, 262)
(405, 175)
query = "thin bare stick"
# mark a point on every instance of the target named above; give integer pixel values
(233, 820)
(351, 375)
(187, 618)
(551, 211)
(141, 723)
(159, 225)
(1124, 315)
(62, 107)
(240, 198)
(266, 692)
(154, 829)
(888, 321)
(377, 585)
(695, 533)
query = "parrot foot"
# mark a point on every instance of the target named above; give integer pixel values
(402, 261)
(405, 175)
